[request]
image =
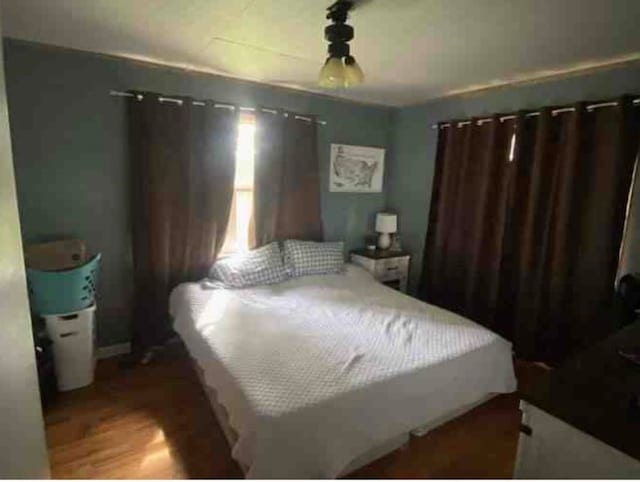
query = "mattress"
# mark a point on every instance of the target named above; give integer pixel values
(316, 371)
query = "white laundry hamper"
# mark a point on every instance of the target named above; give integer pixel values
(73, 337)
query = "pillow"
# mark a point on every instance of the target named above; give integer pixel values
(303, 258)
(262, 266)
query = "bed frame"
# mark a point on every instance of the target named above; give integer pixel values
(373, 454)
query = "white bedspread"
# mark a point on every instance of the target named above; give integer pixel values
(317, 370)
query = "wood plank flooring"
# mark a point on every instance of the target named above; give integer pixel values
(155, 422)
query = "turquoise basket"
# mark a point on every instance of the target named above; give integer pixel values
(58, 292)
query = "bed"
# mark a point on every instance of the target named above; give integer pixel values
(318, 375)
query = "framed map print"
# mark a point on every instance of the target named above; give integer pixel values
(356, 168)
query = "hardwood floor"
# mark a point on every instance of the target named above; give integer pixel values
(155, 422)
(149, 422)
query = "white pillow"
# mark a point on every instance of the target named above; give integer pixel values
(261, 266)
(303, 258)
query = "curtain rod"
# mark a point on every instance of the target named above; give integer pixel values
(560, 110)
(216, 105)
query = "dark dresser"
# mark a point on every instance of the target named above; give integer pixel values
(583, 419)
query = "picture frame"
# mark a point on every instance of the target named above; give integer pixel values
(356, 169)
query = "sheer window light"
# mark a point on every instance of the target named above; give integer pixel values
(240, 230)
(512, 147)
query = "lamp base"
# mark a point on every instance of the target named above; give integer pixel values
(384, 241)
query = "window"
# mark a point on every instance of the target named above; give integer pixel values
(239, 236)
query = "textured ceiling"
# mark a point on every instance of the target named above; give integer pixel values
(410, 50)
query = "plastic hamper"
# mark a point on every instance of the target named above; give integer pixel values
(64, 291)
(73, 337)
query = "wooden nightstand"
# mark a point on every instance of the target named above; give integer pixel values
(388, 267)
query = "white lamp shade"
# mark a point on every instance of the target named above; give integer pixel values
(386, 223)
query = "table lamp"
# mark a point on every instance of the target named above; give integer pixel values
(386, 223)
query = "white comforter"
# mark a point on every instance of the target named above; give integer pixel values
(318, 370)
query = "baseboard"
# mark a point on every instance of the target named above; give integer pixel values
(108, 351)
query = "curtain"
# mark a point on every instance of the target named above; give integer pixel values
(568, 218)
(183, 166)
(536, 260)
(287, 178)
(464, 241)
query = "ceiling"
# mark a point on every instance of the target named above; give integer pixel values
(410, 50)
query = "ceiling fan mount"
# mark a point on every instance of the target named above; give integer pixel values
(340, 69)
(338, 11)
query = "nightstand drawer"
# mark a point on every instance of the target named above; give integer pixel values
(389, 268)
(392, 268)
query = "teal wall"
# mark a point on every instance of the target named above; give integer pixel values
(70, 150)
(69, 141)
(410, 175)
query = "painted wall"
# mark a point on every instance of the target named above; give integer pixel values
(70, 150)
(23, 453)
(414, 144)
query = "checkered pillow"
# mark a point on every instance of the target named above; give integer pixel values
(303, 258)
(262, 266)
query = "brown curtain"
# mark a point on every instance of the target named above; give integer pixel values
(568, 216)
(467, 218)
(287, 178)
(183, 166)
(553, 225)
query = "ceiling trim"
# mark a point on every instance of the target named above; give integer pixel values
(537, 77)
(191, 69)
(472, 90)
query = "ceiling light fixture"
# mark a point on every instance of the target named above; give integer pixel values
(340, 69)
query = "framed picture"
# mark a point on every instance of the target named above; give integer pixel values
(356, 168)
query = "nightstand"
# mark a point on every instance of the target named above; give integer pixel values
(389, 267)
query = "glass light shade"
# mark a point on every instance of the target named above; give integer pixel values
(332, 74)
(353, 74)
